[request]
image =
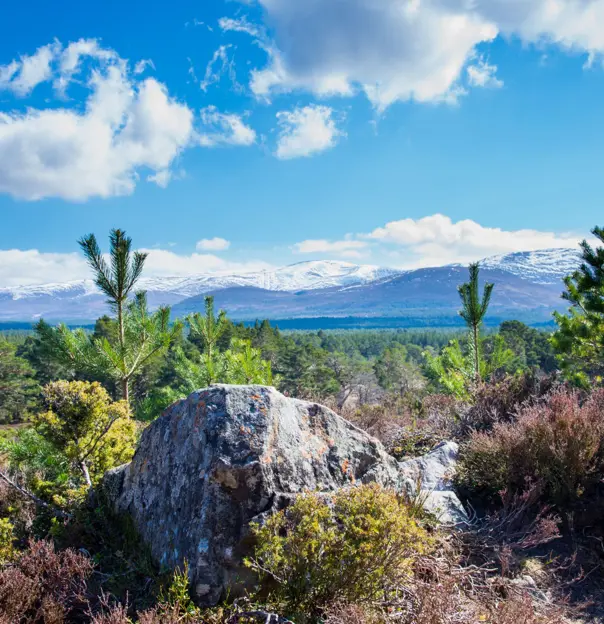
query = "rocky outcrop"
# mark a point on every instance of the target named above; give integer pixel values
(228, 455)
(429, 479)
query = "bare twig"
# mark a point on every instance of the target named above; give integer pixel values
(38, 501)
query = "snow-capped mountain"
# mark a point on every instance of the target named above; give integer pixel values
(300, 276)
(546, 266)
(81, 299)
(344, 288)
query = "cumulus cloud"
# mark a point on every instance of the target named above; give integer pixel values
(306, 131)
(437, 240)
(213, 244)
(31, 267)
(164, 263)
(408, 49)
(483, 74)
(26, 267)
(162, 178)
(28, 72)
(224, 129)
(124, 125)
(343, 248)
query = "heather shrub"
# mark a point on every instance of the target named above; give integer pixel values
(405, 430)
(558, 443)
(445, 601)
(43, 585)
(500, 399)
(356, 546)
(384, 421)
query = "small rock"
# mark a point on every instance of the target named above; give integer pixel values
(429, 478)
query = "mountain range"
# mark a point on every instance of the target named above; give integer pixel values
(528, 287)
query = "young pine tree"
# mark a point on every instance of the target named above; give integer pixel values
(473, 311)
(579, 340)
(209, 328)
(116, 280)
(141, 335)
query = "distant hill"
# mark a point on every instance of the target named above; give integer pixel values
(528, 287)
(423, 296)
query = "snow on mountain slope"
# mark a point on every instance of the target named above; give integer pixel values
(546, 266)
(320, 274)
(82, 301)
(301, 276)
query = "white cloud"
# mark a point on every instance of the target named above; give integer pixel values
(164, 263)
(26, 267)
(142, 65)
(31, 267)
(213, 244)
(306, 131)
(223, 129)
(162, 178)
(408, 49)
(343, 248)
(240, 25)
(7, 72)
(437, 240)
(482, 74)
(124, 125)
(219, 65)
(28, 72)
(70, 59)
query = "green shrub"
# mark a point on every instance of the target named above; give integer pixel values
(358, 545)
(558, 444)
(7, 549)
(92, 431)
(40, 466)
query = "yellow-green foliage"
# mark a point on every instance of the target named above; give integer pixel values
(356, 546)
(177, 596)
(87, 426)
(7, 549)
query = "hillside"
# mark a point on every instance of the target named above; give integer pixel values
(528, 287)
(418, 295)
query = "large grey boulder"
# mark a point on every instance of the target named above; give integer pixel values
(226, 455)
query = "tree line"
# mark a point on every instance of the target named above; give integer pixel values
(148, 361)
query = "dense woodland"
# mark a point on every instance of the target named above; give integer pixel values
(525, 405)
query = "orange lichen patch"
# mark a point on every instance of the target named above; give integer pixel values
(256, 397)
(198, 415)
(305, 454)
(265, 459)
(347, 470)
(245, 430)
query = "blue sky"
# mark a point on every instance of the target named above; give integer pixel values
(403, 133)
